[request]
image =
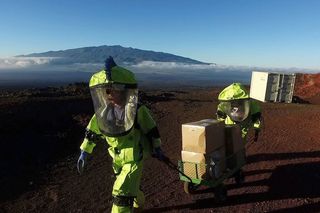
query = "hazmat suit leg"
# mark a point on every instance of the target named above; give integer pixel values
(138, 202)
(127, 185)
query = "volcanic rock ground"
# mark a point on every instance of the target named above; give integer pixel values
(41, 131)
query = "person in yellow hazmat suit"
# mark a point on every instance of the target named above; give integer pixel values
(236, 107)
(127, 127)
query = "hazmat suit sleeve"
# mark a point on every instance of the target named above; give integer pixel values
(93, 135)
(221, 115)
(255, 114)
(148, 126)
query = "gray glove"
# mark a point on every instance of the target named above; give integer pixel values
(81, 161)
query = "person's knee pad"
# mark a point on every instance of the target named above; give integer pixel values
(123, 201)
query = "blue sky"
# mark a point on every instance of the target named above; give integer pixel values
(267, 33)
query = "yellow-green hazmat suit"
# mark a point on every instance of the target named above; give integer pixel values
(129, 148)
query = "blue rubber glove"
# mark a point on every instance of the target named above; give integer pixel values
(158, 153)
(81, 161)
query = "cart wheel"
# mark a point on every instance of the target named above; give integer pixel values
(189, 188)
(239, 177)
(220, 193)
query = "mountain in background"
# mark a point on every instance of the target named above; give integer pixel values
(122, 55)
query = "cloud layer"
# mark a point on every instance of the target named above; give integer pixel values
(60, 64)
(43, 64)
(23, 62)
(182, 67)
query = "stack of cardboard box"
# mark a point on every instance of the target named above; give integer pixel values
(235, 147)
(202, 142)
(209, 148)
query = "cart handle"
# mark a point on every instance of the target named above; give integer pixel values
(171, 165)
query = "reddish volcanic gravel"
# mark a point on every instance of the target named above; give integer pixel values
(307, 85)
(282, 173)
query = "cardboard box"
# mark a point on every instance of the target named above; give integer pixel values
(204, 166)
(235, 147)
(194, 164)
(233, 139)
(203, 136)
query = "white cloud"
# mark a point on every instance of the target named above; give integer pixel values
(23, 62)
(172, 65)
(183, 67)
(44, 64)
(58, 64)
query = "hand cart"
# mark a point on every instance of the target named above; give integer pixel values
(195, 174)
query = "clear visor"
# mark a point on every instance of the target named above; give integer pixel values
(237, 110)
(115, 108)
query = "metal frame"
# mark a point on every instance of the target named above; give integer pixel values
(210, 182)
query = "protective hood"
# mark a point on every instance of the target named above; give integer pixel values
(235, 102)
(119, 75)
(115, 108)
(237, 110)
(115, 98)
(233, 92)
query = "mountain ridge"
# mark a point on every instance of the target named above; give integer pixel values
(122, 55)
